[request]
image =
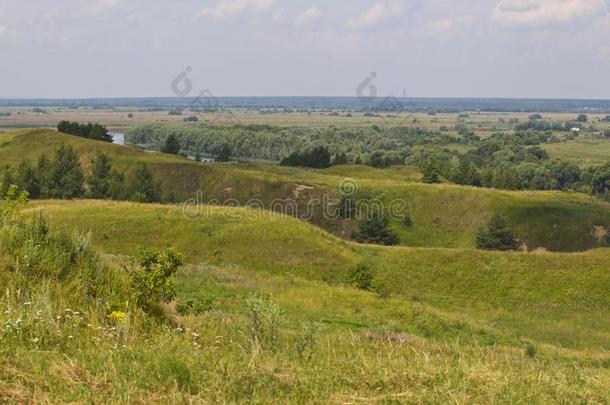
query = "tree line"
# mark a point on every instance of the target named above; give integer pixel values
(62, 177)
(90, 131)
(512, 162)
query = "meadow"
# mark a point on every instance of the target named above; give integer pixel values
(266, 306)
(278, 319)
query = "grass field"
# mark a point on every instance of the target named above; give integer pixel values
(504, 288)
(440, 325)
(117, 119)
(279, 320)
(583, 152)
(443, 215)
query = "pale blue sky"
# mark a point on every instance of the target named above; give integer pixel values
(429, 48)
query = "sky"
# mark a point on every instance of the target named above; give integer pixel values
(416, 48)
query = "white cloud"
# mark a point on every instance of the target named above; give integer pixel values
(7, 33)
(227, 8)
(542, 13)
(307, 17)
(278, 14)
(100, 7)
(446, 26)
(380, 12)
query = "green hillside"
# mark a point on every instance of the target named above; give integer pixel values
(539, 296)
(442, 215)
(275, 331)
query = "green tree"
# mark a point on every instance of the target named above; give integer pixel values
(600, 181)
(26, 179)
(141, 186)
(172, 145)
(346, 207)
(496, 235)
(152, 279)
(99, 180)
(374, 229)
(431, 175)
(225, 154)
(67, 176)
(7, 179)
(582, 118)
(116, 186)
(44, 171)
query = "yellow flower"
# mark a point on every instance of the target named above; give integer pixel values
(118, 316)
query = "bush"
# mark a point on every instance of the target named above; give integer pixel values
(265, 320)
(194, 306)
(305, 340)
(496, 235)
(225, 154)
(360, 277)
(172, 145)
(152, 279)
(317, 158)
(530, 351)
(374, 229)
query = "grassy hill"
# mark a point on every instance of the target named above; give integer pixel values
(557, 298)
(278, 320)
(443, 215)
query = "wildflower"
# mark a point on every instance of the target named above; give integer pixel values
(118, 316)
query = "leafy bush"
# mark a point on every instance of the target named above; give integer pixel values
(360, 276)
(530, 351)
(152, 279)
(172, 145)
(194, 306)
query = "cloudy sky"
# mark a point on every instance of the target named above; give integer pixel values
(424, 48)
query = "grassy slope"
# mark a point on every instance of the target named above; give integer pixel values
(443, 215)
(555, 298)
(584, 151)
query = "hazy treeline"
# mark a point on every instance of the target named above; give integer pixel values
(276, 143)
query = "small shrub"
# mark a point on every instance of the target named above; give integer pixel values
(407, 222)
(360, 277)
(152, 280)
(265, 320)
(496, 235)
(194, 306)
(305, 341)
(375, 230)
(530, 351)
